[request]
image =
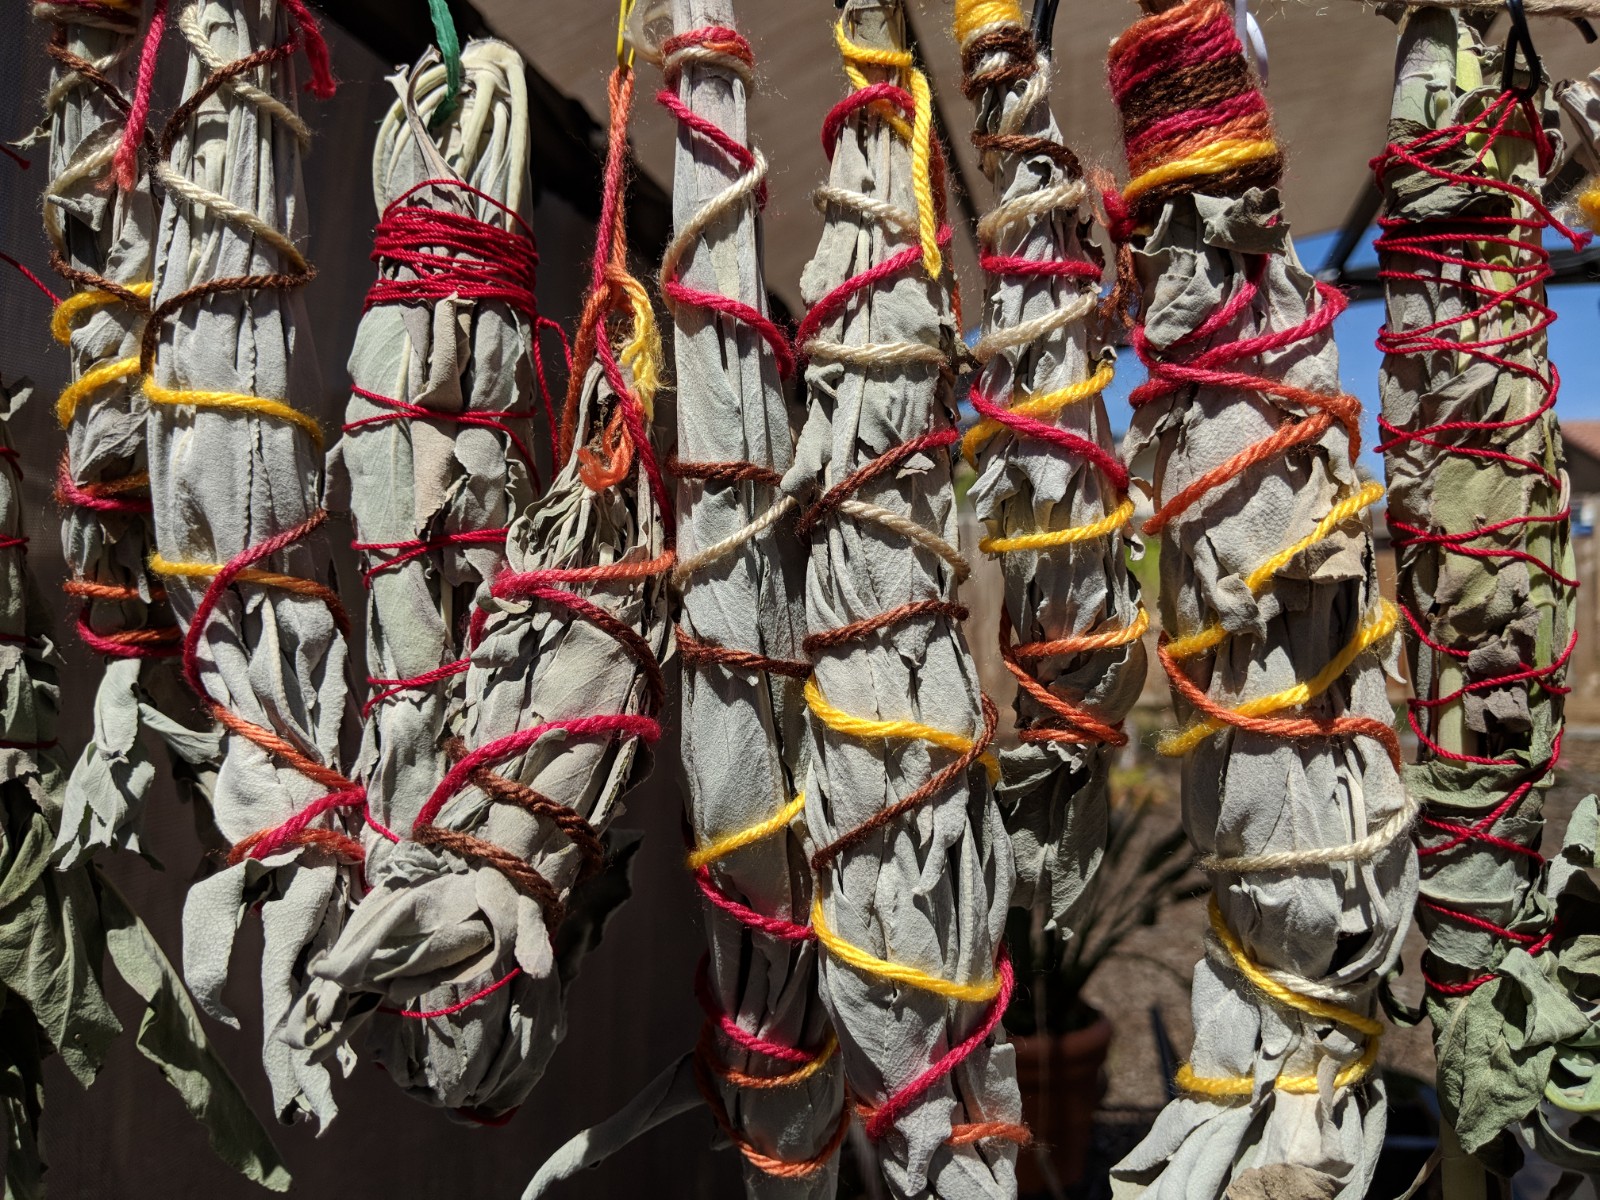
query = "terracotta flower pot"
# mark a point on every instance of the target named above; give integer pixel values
(1062, 1077)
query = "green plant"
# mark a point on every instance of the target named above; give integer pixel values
(1147, 867)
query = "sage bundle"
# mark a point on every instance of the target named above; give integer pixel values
(50, 996)
(1050, 489)
(473, 930)
(1275, 638)
(766, 1062)
(235, 481)
(914, 869)
(59, 924)
(1479, 506)
(101, 242)
(435, 460)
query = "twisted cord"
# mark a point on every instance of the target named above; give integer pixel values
(305, 30)
(722, 48)
(1460, 256)
(709, 1064)
(1192, 116)
(1318, 1009)
(894, 104)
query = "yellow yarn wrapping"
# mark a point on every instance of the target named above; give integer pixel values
(205, 570)
(1214, 159)
(1040, 407)
(1297, 1085)
(1049, 539)
(748, 836)
(1257, 580)
(232, 402)
(919, 134)
(1375, 627)
(79, 302)
(1244, 1085)
(85, 385)
(973, 15)
(881, 968)
(1263, 982)
(840, 721)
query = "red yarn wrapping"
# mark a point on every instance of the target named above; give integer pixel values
(731, 1030)
(1444, 243)
(459, 1006)
(451, 254)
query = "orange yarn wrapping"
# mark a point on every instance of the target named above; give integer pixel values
(765, 1163)
(1281, 727)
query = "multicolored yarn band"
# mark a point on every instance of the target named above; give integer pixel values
(926, 225)
(726, 48)
(998, 51)
(919, 136)
(1193, 118)
(720, 46)
(340, 792)
(614, 290)
(1172, 372)
(1490, 262)
(322, 84)
(751, 490)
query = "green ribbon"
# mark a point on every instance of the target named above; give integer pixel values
(444, 32)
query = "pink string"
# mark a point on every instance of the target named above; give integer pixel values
(503, 749)
(896, 1106)
(415, 548)
(833, 303)
(877, 93)
(393, 687)
(31, 277)
(459, 1005)
(405, 410)
(68, 492)
(777, 927)
(269, 842)
(125, 164)
(117, 648)
(731, 1029)
(1109, 465)
(633, 418)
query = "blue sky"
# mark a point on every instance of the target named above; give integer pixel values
(1574, 346)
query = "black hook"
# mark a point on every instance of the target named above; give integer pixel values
(1585, 28)
(1519, 39)
(1044, 24)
